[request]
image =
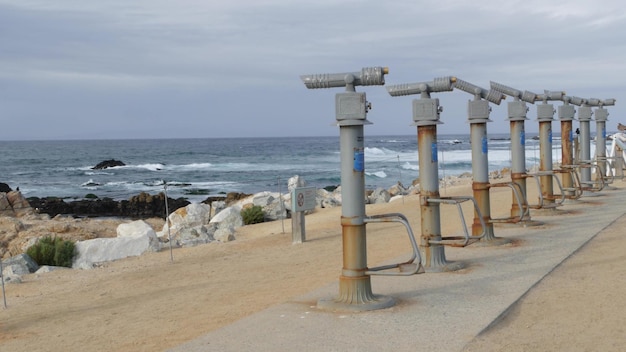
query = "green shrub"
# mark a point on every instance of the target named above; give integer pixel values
(52, 251)
(253, 215)
(90, 196)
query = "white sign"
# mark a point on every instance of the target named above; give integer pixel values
(303, 199)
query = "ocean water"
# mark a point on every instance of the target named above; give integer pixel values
(198, 168)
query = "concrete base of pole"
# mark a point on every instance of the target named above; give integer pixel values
(434, 260)
(490, 238)
(355, 295)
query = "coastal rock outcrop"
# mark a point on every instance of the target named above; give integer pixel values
(14, 267)
(108, 163)
(142, 205)
(188, 226)
(4, 188)
(14, 204)
(379, 195)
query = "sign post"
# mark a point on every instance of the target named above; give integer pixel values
(302, 199)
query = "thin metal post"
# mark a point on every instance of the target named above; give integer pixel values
(4, 296)
(167, 219)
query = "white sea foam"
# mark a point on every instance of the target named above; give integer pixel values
(379, 174)
(95, 173)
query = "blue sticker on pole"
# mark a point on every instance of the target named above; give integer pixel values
(522, 138)
(359, 160)
(604, 133)
(484, 143)
(433, 152)
(550, 135)
(571, 136)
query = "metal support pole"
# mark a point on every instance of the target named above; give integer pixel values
(480, 174)
(545, 161)
(566, 116)
(601, 117)
(518, 164)
(433, 255)
(355, 290)
(545, 115)
(584, 117)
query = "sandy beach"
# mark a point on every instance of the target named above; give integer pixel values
(150, 303)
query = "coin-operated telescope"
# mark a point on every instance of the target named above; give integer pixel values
(478, 116)
(602, 116)
(546, 174)
(517, 110)
(426, 113)
(351, 108)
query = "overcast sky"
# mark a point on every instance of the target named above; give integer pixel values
(93, 69)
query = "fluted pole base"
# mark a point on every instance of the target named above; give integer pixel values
(355, 295)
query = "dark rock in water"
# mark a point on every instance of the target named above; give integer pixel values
(108, 163)
(4, 188)
(143, 205)
(229, 198)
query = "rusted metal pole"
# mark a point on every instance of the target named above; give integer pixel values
(566, 115)
(433, 255)
(545, 161)
(518, 164)
(480, 175)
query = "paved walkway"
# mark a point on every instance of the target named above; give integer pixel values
(434, 311)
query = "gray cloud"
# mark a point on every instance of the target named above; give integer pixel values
(147, 69)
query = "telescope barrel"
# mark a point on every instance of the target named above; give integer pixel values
(440, 84)
(369, 76)
(489, 95)
(551, 95)
(608, 102)
(505, 89)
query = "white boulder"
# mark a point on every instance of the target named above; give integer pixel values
(133, 239)
(229, 217)
(188, 226)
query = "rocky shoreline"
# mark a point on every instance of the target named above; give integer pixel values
(105, 230)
